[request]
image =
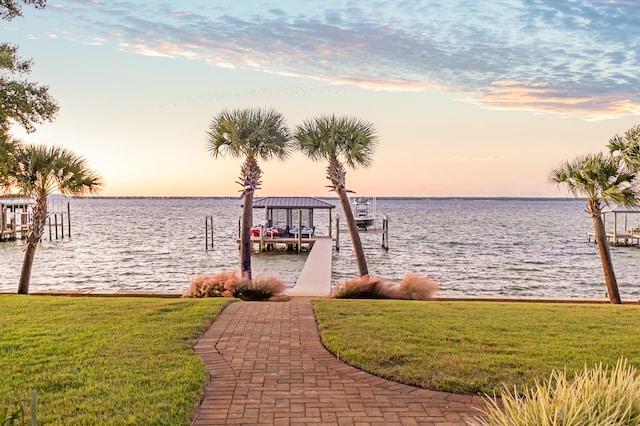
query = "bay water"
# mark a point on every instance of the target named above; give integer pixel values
(471, 246)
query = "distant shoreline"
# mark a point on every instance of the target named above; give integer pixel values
(391, 198)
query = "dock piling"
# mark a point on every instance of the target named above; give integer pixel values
(337, 233)
(385, 232)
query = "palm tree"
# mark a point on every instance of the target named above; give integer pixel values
(340, 140)
(603, 180)
(40, 171)
(627, 147)
(251, 134)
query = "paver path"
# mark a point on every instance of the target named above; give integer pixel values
(268, 366)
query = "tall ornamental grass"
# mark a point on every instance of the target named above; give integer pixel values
(412, 287)
(595, 397)
(232, 284)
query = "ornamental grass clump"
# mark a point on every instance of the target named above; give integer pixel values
(222, 284)
(412, 287)
(260, 288)
(595, 397)
(231, 284)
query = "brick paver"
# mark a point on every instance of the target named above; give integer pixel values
(268, 366)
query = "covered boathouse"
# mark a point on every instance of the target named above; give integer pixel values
(288, 222)
(15, 216)
(285, 213)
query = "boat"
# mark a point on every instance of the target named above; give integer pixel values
(364, 211)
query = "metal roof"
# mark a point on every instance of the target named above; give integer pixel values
(16, 201)
(620, 209)
(291, 203)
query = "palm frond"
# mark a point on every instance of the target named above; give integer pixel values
(42, 170)
(260, 133)
(350, 139)
(598, 177)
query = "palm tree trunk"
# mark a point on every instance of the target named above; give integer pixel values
(245, 235)
(607, 263)
(33, 239)
(25, 273)
(353, 232)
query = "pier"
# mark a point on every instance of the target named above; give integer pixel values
(16, 218)
(629, 234)
(315, 278)
(289, 225)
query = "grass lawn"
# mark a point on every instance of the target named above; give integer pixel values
(104, 360)
(474, 347)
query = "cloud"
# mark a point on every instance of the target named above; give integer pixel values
(576, 57)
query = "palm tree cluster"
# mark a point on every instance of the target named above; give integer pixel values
(605, 179)
(260, 134)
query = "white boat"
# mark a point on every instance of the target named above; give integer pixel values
(364, 211)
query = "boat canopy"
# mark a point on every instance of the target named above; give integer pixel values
(291, 203)
(281, 212)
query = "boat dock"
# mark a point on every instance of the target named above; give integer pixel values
(625, 231)
(315, 278)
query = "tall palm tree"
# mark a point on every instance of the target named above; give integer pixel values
(40, 171)
(340, 140)
(627, 147)
(251, 134)
(603, 180)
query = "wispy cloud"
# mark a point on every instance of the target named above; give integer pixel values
(574, 57)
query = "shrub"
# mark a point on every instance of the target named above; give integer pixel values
(222, 284)
(230, 284)
(360, 288)
(260, 288)
(412, 287)
(417, 287)
(594, 397)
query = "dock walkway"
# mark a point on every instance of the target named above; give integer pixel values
(268, 366)
(315, 278)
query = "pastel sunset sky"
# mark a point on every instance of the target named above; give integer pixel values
(470, 98)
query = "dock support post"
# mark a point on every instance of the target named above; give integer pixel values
(330, 223)
(62, 225)
(68, 220)
(211, 229)
(55, 222)
(385, 232)
(337, 233)
(262, 238)
(208, 231)
(299, 231)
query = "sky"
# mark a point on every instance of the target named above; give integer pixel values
(468, 98)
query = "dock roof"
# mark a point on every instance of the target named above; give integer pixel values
(291, 203)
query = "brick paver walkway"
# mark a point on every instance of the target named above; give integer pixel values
(268, 366)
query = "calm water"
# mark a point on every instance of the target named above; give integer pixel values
(472, 247)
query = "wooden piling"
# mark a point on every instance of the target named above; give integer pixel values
(385, 232)
(337, 233)
(262, 238)
(206, 233)
(299, 231)
(69, 220)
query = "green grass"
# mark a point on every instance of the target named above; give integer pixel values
(104, 360)
(474, 347)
